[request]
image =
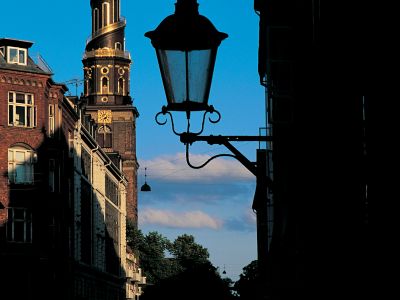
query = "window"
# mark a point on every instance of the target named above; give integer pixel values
(121, 84)
(19, 225)
(52, 168)
(104, 137)
(95, 19)
(86, 222)
(21, 110)
(20, 165)
(118, 46)
(104, 85)
(86, 164)
(70, 143)
(116, 10)
(16, 56)
(87, 87)
(106, 13)
(111, 190)
(2, 51)
(51, 120)
(112, 241)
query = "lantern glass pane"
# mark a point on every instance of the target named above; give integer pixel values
(172, 66)
(201, 65)
(187, 74)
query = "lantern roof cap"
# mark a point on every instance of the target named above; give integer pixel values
(186, 30)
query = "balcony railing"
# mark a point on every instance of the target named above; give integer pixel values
(107, 52)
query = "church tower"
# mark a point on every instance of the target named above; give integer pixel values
(107, 66)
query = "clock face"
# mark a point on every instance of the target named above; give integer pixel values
(104, 116)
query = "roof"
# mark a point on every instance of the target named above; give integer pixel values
(31, 66)
(15, 43)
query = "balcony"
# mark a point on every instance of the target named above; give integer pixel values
(107, 52)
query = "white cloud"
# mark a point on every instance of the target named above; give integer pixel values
(174, 168)
(189, 219)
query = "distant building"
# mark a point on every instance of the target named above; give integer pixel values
(135, 278)
(107, 67)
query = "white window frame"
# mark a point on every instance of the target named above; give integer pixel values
(2, 50)
(18, 60)
(12, 225)
(28, 106)
(22, 160)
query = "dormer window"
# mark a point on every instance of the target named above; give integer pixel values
(17, 56)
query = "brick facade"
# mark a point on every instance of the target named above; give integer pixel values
(73, 224)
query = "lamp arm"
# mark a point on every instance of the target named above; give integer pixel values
(205, 163)
(189, 138)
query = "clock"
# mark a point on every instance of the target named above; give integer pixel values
(104, 116)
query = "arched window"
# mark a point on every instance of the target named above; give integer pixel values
(104, 136)
(95, 20)
(87, 87)
(20, 164)
(118, 46)
(104, 85)
(121, 86)
(116, 10)
(106, 13)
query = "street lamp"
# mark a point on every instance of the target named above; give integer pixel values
(186, 45)
(145, 187)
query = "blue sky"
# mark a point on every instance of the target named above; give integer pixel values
(214, 203)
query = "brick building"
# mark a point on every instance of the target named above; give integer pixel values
(34, 203)
(62, 196)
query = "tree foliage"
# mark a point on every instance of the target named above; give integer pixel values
(246, 286)
(187, 252)
(180, 268)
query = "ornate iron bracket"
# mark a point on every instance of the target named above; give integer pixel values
(188, 138)
(210, 110)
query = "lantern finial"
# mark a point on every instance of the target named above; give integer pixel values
(187, 7)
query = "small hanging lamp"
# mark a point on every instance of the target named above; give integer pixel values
(145, 187)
